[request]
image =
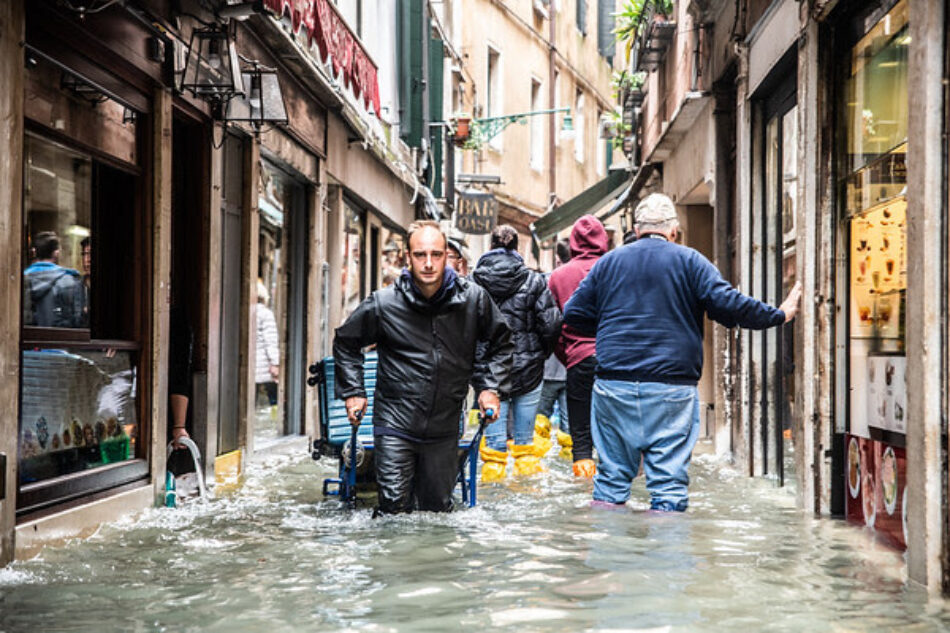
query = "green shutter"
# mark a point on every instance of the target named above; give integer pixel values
(605, 28)
(582, 16)
(411, 70)
(436, 67)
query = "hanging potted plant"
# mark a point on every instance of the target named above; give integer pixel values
(462, 127)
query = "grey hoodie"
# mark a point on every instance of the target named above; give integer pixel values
(53, 296)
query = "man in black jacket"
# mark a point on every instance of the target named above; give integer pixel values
(535, 321)
(426, 327)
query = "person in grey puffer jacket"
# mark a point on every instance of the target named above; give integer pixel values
(535, 321)
(53, 294)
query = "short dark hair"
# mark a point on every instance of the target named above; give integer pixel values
(85, 242)
(504, 236)
(45, 243)
(563, 250)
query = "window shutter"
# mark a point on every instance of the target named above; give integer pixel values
(582, 16)
(412, 83)
(605, 28)
(436, 138)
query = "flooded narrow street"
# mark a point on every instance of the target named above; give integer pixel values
(533, 556)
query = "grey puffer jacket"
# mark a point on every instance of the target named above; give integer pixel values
(529, 309)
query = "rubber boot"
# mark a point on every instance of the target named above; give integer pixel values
(527, 461)
(585, 468)
(493, 463)
(273, 412)
(567, 445)
(542, 435)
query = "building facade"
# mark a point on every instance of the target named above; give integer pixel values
(785, 134)
(150, 222)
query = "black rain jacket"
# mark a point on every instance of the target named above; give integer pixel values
(530, 311)
(426, 354)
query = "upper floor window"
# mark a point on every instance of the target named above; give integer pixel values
(537, 127)
(581, 17)
(580, 132)
(493, 97)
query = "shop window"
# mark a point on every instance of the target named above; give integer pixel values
(353, 237)
(872, 179)
(393, 256)
(81, 318)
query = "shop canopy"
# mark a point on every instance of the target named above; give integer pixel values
(590, 200)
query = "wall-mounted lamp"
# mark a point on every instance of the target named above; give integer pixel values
(212, 70)
(263, 100)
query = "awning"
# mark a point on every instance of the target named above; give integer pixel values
(632, 190)
(588, 201)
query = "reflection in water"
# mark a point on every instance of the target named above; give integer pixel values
(276, 557)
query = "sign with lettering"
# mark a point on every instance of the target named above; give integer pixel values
(476, 212)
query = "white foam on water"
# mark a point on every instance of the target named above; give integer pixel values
(525, 615)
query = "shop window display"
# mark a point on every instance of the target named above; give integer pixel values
(79, 406)
(872, 164)
(352, 259)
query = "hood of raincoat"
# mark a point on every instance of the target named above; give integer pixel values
(588, 238)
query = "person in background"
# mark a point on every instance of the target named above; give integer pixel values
(53, 294)
(554, 390)
(86, 246)
(426, 327)
(180, 357)
(457, 256)
(646, 304)
(267, 365)
(588, 242)
(535, 321)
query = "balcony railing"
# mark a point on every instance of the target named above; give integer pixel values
(656, 36)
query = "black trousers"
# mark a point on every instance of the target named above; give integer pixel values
(580, 385)
(415, 476)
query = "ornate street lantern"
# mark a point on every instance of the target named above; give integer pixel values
(263, 100)
(212, 70)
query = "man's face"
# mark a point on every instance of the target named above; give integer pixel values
(87, 259)
(452, 258)
(427, 256)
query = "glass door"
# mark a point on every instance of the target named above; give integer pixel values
(777, 266)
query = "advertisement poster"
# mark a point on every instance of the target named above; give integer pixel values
(877, 488)
(886, 393)
(878, 270)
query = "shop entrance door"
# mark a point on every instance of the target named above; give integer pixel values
(229, 409)
(778, 235)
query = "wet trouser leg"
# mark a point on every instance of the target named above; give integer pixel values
(436, 474)
(395, 471)
(549, 393)
(657, 422)
(524, 408)
(411, 475)
(580, 382)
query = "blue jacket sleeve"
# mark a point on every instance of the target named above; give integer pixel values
(726, 305)
(582, 310)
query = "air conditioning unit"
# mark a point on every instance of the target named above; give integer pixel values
(541, 8)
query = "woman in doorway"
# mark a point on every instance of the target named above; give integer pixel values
(268, 351)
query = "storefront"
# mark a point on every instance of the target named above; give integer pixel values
(871, 182)
(84, 415)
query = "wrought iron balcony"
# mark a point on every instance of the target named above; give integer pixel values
(656, 36)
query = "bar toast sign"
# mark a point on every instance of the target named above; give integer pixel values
(476, 212)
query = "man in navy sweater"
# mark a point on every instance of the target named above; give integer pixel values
(645, 302)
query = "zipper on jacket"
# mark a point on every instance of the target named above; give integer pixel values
(435, 383)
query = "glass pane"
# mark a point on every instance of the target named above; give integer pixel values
(58, 201)
(394, 256)
(271, 303)
(789, 208)
(875, 112)
(78, 411)
(352, 260)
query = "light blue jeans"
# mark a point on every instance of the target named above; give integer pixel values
(657, 422)
(524, 408)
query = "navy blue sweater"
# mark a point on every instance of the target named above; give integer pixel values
(645, 302)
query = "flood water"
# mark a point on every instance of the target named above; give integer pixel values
(533, 556)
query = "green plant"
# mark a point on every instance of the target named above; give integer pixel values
(620, 129)
(624, 81)
(627, 21)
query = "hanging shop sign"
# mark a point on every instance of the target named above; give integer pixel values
(476, 212)
(328, 30)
